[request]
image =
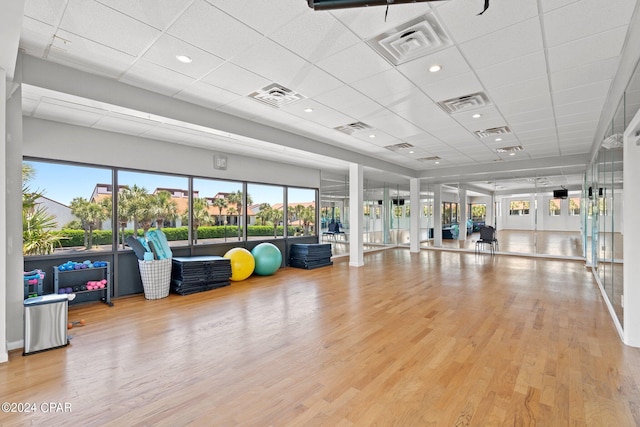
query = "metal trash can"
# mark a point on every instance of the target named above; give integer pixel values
(45, 323)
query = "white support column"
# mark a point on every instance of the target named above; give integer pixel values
(356, 214)
(462, 235)
(4, 354)
(631, 206)
(437, 215)
(414, 225)
(14, 267)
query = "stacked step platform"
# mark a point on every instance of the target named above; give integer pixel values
(310, 256)
(201, 273)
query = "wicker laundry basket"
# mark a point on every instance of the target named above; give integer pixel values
(156, 277)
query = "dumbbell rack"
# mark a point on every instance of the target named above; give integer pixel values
(64, 278)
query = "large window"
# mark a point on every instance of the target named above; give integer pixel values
(519, 207)
(150, 201)
(301, 212)
(449, 213)
(65, 208)
(265, 212)
(554, 207)
(574, 206)
(218, 208)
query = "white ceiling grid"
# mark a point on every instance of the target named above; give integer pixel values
(546, 67)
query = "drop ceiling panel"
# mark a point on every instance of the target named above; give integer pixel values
(585, 18)
(451, 61)
(584, 51)
(157, 13)
(164, 51)
(549, 5)
(522, 90)
(322, 115)
(355, 63)
(90, 56)
(204, 94)
(530, 116)
(272, 61)
(108, 27)
(311, 81)
(504, 45)
(226, 39)
(533, 125)
(585, 74)
(235, 79)
(514, 106)
(591, 105)
(593, 90)
(264, 16)
(156, 78)
(349, 100)
(460, 85)
(521, 69)
(384, 85)
(320, 36)
(589, 116)
(48, 12)
(461, 17)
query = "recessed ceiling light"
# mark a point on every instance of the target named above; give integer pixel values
(437, 163)
(372, 135)
(435, 68)
(184, 59)
(477, 116)
(411, 152)
(498, 139)
(512, 154)
(308, 110)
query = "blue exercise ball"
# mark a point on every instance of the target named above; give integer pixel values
(268, 259)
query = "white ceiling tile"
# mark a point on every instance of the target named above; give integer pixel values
(504, 45)
(534, 125)
(87, 55)
(517, 106)
(46, 11)
(585, 18)
(264, 16)
(460, 85)
(349, 100)
(204, 94)
(584, 51)
(392, 124)
(272, 61)
(549, 5)
(451, 61)
(320, 115)
(155, 78)
(585, 74)
(531, 116)
(164, 51)
(355, 63)
(591, 105)
(226, 39)
(589, 116)
(521, 69)
(94, 21)
(157, 13)
(577, 94)
(384, 84)
(318, 36)
(311, 81)
(522, 90)
(235, 79)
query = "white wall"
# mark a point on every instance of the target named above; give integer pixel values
(543, 221)
(59, 141)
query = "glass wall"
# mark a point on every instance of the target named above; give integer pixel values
(265, 213)
(216, 207)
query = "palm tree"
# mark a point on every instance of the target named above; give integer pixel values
(37, 224)
(264, 213)
(90, 214)
(220, 203)
(276, 216)
(163, 207)
(200, 216)
(138, 208)
(307, 216)
(238, 199)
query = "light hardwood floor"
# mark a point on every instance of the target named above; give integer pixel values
(428, 339)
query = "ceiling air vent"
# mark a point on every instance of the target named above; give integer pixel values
(414, 39)
(485, 133)
(512, 149)
(352, 128)
(429, 159)
(465, 103)
(398, 147)
(276, 95)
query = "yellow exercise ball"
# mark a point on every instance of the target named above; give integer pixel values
(242, 263)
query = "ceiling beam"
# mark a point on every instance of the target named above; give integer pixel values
(10, 28)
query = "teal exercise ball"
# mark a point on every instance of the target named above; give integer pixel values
(268, 259)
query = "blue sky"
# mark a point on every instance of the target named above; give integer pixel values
(63, 183)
